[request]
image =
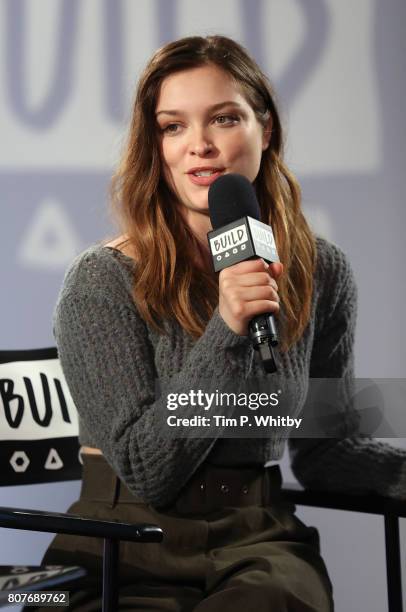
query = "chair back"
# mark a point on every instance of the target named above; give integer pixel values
(38, 419)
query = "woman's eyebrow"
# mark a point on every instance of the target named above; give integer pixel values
(215, 107)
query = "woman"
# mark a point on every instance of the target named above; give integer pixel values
(148, 306)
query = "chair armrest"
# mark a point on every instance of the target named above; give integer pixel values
(370, 503)
(55, 522)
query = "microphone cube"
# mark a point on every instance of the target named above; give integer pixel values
(243, 239)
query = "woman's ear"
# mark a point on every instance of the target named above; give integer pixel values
(266, 134)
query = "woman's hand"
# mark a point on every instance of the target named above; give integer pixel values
(247, 289)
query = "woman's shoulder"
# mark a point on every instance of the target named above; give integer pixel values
(332, 264)
(95, 300)
(334, 278)
(100, 268)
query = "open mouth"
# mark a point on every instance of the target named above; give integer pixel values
(204, 176)
(206, 172)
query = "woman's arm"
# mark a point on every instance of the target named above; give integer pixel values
(108, 362)
(351, 463)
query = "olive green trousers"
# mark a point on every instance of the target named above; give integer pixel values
(230, 544)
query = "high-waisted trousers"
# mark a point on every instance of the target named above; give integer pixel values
(231, 543)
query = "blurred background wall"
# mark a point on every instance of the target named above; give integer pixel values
(67, 75)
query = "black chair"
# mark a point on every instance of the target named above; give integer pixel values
(390, 509)
(39, 444)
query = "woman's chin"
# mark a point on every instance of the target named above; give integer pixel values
(199, 207)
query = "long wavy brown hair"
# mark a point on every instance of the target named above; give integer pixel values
(168, 282)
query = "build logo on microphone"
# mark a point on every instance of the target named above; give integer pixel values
(233, 240)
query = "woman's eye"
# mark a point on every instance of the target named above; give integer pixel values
(172, 128)
(227, 119)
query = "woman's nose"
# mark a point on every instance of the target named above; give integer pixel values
(200, 143)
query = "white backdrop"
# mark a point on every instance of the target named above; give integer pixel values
(68, 70)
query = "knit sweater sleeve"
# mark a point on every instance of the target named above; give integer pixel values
(351, 463)
(108, 361)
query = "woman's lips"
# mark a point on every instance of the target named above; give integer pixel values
(205, 180)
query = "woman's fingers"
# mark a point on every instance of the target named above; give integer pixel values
(255, 279)
(247, 289)
(258, 292)
(245, 267)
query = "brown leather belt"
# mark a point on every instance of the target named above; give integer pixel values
(210, 488)
(215, 487)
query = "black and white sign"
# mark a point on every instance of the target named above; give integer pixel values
(38, 419)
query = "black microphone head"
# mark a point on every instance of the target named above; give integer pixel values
(231, 197)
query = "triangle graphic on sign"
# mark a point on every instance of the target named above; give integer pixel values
(53, 461)
(51, 241)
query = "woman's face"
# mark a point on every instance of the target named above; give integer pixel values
(206, 128)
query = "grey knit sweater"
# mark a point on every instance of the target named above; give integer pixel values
(111, 358)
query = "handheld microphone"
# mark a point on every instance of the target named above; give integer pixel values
(239, 235)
